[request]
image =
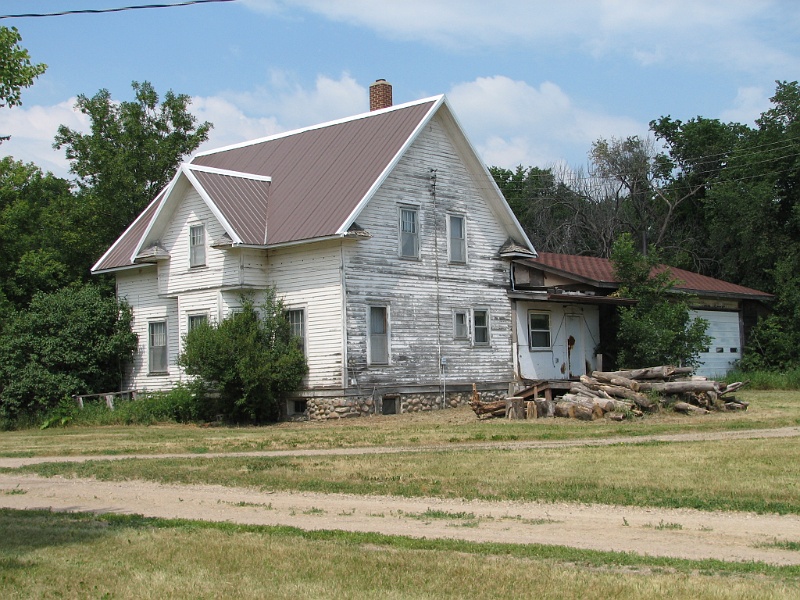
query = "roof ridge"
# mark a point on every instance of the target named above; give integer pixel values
(277, 136)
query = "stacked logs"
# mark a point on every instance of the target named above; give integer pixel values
(619, 394)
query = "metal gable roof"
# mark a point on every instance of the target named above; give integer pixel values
(320, 175)
(308, 183)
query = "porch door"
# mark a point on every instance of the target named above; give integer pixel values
(576, 362)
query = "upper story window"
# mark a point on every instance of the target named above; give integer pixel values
(297, 324)
(539, 330)
(409, 232)
(460, 325)
(197, 246)
(457, 239)
(480, 327)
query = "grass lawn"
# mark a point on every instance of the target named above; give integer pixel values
(437, 428)
(51, 555)
(747, 475)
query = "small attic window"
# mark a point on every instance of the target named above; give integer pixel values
(197, 246)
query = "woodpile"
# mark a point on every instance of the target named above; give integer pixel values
(619, 395)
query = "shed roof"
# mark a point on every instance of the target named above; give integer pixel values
(600, 273)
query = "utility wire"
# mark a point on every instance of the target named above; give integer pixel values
(95, 11)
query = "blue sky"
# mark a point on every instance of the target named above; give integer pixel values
(532, 82)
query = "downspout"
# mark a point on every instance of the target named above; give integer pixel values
(439, 357)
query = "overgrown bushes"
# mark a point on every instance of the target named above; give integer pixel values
(251, 359)
(72, 341)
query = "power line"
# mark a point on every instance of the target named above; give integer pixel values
(95, 11)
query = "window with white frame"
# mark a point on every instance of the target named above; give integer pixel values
(297, 324)
(195, 321)
(197, 246)
(461, 325)
(480, 327)
(409, 232)
(157, 347)
(378, 335)
(457, 239)
(539, 330)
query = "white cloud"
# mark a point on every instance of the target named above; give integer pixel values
(512, 122)
(748, 105)
(734, 33)
(237, 116)
(33, 130)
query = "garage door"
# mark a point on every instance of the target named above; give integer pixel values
(726, 342)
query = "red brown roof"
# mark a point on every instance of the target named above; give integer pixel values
(600, 272)
(320, 176)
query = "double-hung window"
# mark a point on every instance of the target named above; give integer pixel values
(460, 325)
(378, 335)
(196, 321)
(409, 232)
(197, 246)
(157, 347)
(539, 330)
(297, 324)
(457, 239)
(480, 327)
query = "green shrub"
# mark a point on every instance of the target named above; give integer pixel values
(72, 341)
(250, 358)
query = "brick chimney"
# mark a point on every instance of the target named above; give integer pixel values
(380, 95)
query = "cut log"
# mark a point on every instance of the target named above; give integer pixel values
(545, 408)
(606, 406)
(679, 387)
(615, 416)
(735, 406)
(616, 380)
(494, 409)
(686, 408)
(733, 387)
(530, 410)
(565, 409)
(578, 388)
(515, 408)
(661, 372)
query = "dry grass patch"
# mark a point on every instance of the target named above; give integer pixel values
(45, 555)
(436, 428)
(747, 475)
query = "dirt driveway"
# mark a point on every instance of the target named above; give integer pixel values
(681, 533)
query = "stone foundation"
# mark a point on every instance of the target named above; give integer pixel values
(319, 409)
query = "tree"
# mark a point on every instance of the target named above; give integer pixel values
(16, 69)
(33, 253)
(71, 341)
(659, 329)
(250, 358)
(131, 153)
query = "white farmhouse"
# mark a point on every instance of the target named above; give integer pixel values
(384, 234)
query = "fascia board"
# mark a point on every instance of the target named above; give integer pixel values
(393, 163)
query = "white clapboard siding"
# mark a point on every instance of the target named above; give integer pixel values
(422, 294)
(139, 287)
(309, 277)
(177, 276)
